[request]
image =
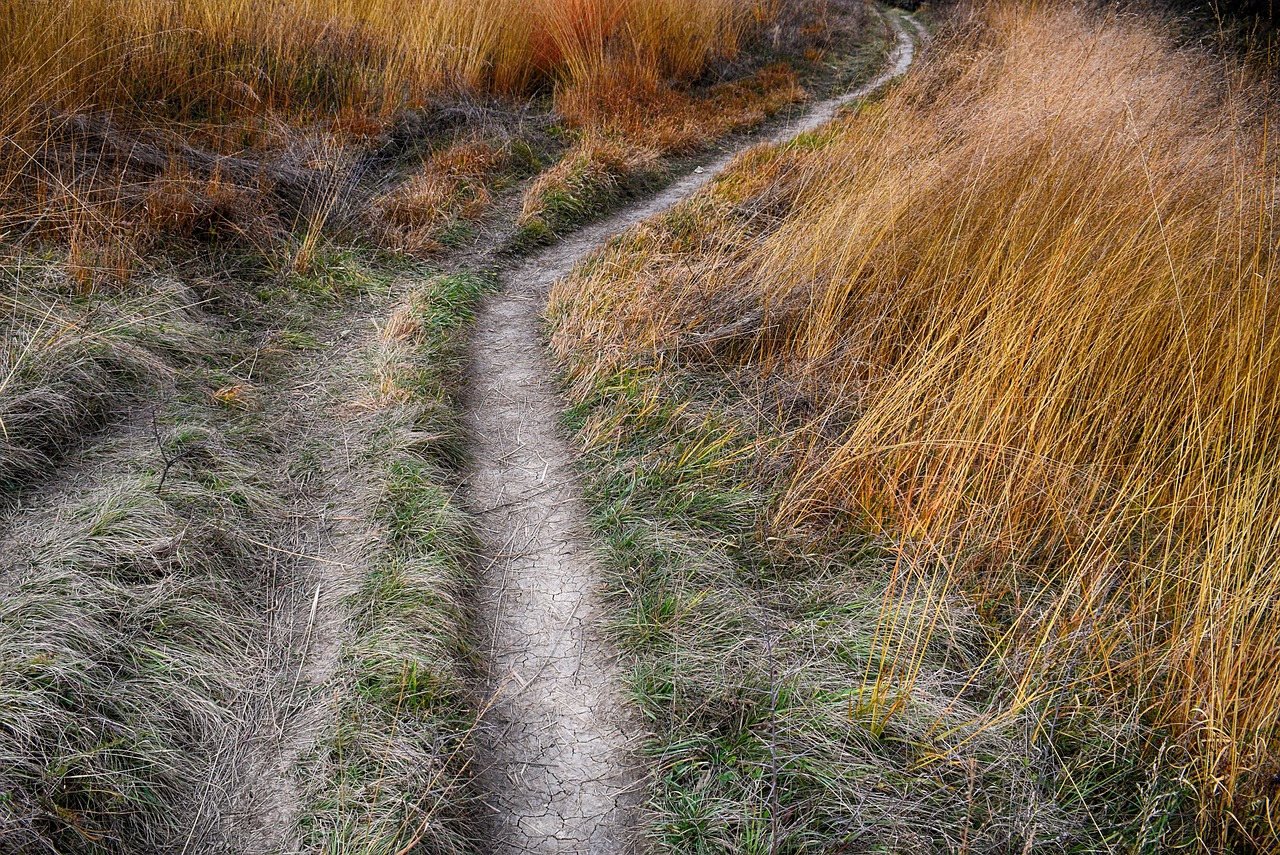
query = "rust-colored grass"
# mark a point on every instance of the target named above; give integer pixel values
(197, 57)
(1029, 305)
(635, 105)
(271, 80)
(629, 121)
(450, 187)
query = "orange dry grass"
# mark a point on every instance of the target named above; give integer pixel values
(235, 74)
(235, 56)
(452, 185)
(1030, 299)
(633, 104)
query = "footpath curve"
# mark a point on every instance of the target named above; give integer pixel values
(558, 741)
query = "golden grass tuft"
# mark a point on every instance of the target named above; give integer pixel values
(591, 171)
(235, 396)
(1024, 310)
(451, 186)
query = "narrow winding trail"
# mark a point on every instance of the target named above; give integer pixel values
(557, 748)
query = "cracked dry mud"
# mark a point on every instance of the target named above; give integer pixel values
(557, 746)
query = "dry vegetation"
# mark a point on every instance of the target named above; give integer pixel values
(122, 121)
(1015, 323)
(157, 586)
(627, 125)
(363, 58)
(392, 773)
(199, 202)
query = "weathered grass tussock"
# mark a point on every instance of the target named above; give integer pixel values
(129, 625)
(65, 367)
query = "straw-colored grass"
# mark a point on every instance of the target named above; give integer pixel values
(1017, 321)
(245, 55)
(119, 118)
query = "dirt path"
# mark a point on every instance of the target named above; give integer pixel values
(327, 537)
(557, 749)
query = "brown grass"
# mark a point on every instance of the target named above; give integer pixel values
(452, 185)
(628, 122)
(246, 56)
(634, 104)
(113, 113)
(1018, 321)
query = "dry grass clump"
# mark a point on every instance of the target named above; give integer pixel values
(637, 106)
(452, 186)
(590, 176)
(109, 194)
(66, 368)
(1017, 321)
(129, 634)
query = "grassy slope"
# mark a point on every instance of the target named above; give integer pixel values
(803, 695)
(135, 586)
(129, 615)
(756, 665)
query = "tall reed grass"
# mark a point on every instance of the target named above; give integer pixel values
(198, 57)
(1029, 302)
(96, 96)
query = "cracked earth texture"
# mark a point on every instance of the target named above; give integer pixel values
(558, 746)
